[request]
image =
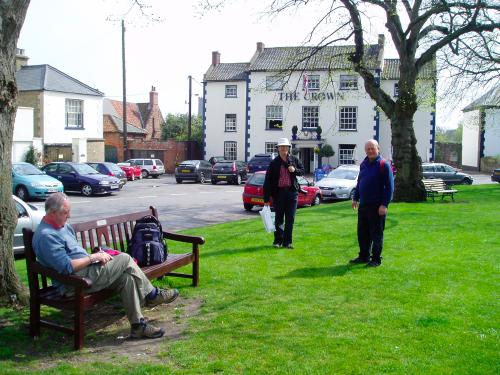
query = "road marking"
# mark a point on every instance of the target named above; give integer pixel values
(148, 196)
(77, 202)
(178, 194)
(207, 192)
(232, 191)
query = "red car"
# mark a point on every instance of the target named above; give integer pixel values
(131, 170)
(253, 193)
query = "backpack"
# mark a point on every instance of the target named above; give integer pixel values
(146, 244)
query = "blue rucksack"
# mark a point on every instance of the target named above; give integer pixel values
(146, 244)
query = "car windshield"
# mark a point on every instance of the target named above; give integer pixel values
(189, 162)
(84, 169)
(26, 169)
(224, 164)
(257, 179)
(344, 174)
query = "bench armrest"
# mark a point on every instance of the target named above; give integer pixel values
(73, 280)
(184, 238)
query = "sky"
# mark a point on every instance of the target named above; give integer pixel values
(82, 38)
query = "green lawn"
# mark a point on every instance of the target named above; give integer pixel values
(431, 308)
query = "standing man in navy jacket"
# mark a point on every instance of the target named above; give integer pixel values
(282, 186)
(372, 197)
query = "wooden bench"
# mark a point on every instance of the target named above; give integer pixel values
(436, 187)
(114, 232)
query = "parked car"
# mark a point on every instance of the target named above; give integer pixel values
(339, 183)
(149, 167)
(230, 171)
(194, 170)
(447, 173)
(253, 193)
(132, 171)
(30, 182)
(28, 216)
(216, 159)
(80, 177)
(495, 176)
(110, 169)
(260, 162)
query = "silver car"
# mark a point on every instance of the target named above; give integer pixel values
(28, 216)
(339, 183)
(149, 167)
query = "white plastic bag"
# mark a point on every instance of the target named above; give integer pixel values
(268, 219)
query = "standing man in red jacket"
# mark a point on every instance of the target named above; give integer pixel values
(281, 184)
(372, 195)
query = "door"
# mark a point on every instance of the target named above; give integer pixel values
(68, 176)
(306, 155)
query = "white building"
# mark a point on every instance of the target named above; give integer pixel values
(23, 138)
(67, 113)
(248, 106)
(481, 132)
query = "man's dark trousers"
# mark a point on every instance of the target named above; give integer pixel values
(370, 232)
(285, 205)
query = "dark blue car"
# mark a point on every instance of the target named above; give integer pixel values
(82, 178)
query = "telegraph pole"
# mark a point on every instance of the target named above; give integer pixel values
(124, 80)
(189, 120)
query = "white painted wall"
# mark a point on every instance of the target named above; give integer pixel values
(54, 121)
(492, 132)
(470, 139)
(216, 108)
(23, 134)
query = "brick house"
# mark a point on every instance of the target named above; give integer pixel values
(144, 127)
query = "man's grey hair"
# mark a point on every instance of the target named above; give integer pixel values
(55, 202)
(374, 142)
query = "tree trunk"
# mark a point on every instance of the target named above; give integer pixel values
(408, 183)
(12, 15)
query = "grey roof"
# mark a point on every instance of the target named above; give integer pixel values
(48, 78)
(227, 72)
(489, 100)
(391, 70)
(311, 58)
(130, 128)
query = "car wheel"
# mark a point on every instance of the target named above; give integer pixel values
(202, 178)
(316, 200)
(238, 180)
(144, 173)
(155, 176)
(22, 193)
(87, 190)
(178, 180)
(248, 206)
(467, 181)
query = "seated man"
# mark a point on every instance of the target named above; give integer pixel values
(56, 247)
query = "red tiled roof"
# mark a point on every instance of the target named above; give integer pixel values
(133, 113)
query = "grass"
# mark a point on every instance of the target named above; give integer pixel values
(432, 308)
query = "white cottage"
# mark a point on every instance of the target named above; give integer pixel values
(248, 106)
(481, 133)
(67, 113)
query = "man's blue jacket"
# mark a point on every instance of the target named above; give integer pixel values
(375, 183)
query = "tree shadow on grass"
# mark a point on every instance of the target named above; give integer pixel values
(315, 272)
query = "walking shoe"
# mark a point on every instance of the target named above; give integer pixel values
(289, 246)
(163, 296)
(276, 245)
(359, 260)
(143, 330)
(374, 263)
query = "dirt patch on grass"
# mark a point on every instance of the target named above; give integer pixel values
(107, 334)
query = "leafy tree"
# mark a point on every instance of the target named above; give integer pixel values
(30, 156)
(176, 127)
(326, 152)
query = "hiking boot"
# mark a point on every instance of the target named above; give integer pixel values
(276, 245)
(143, 330)
(163, 296)
(289, 246)
(359, 260)
(374, 263)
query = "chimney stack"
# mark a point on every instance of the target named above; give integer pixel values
(21, 59)
(153, 97)
(260, 47)
(215, 58)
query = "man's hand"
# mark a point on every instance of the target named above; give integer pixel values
(382, 210)
(291, 168)
(354, 204)
(101, 257)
